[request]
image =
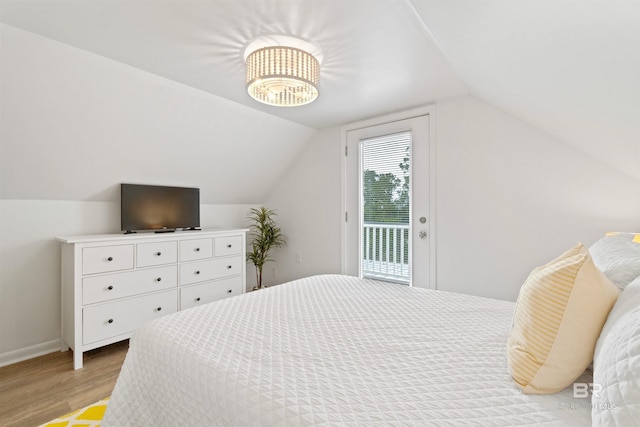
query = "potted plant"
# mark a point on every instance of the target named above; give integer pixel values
(265, 235)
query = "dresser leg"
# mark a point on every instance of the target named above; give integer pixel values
(77, 359)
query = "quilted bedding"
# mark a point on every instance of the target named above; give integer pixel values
(332, 350)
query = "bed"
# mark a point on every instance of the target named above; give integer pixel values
(333, 350)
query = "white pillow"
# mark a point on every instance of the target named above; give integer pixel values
(618, 257)
(616, 365)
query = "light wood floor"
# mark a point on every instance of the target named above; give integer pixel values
(39, 390)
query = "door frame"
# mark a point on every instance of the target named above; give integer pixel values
(429, 110)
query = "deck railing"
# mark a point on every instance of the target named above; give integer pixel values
(385, 252)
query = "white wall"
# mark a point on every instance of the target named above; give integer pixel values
(509, 198)
(307, 200)
(74, 126)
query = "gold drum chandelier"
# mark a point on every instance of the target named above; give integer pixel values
(282, 76)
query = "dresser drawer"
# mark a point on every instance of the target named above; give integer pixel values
(224, 246)
(203, 293)
(191, 250)
(119, 285)
(103, 321)
(103, 259)
(157, 253)
(202, 271)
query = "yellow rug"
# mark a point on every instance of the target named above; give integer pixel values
(89, 416)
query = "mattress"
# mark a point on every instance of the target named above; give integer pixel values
(332, 350)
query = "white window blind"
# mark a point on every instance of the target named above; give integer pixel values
(385, 178)
(385, 206)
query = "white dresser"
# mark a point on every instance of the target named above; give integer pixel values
(113, 283)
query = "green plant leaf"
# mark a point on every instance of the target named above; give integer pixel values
(265, 235)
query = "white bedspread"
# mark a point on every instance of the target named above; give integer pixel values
(332, 350)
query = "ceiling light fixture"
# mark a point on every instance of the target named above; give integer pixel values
(283, 76)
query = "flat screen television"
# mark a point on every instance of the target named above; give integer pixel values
(158, 208)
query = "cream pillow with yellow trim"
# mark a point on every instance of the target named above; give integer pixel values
(559, 314)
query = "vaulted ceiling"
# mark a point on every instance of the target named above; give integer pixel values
(570, 68)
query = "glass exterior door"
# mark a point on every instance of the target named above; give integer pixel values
(387, 202)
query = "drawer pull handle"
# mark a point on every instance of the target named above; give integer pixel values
(229, 246)
(229, 266)
(198, 272)
(198, 299)
(159, 309)
(110, 288)
(110, 259)
(229, 291)
(158, 253)
(110, 321)
(197, 249)
(159, 279)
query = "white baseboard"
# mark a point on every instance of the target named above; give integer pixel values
(30, 352)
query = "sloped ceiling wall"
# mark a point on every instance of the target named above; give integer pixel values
(570, 68)
(75, 125)
(375, 57)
